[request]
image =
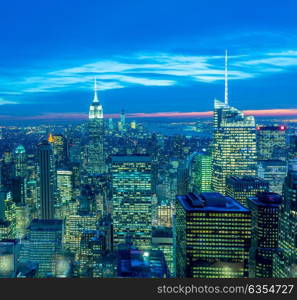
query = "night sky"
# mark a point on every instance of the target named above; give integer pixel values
(148, 56)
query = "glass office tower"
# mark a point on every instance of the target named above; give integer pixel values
(132, 200)
(213, 235)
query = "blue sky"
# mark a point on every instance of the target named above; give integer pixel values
(148, 56)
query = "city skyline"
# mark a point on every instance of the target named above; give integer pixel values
(145, 139)
(160, 68)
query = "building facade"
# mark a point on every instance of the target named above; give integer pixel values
(213, 235)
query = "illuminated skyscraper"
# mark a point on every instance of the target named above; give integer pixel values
(234, 146)
(64, 185)
(293, 147)
(75, 226)
(213, 235)
(95, 148)
(285, 263)
(202, 172)
(273, 171)
(45, 244)
(271, 142)
(132, 200)
(265, 209)
(123, 120)
(20, 161)
(9, 251)
(60, 148)
(240, 188)
(47, 180)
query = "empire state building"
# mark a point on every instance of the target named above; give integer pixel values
(95, 147)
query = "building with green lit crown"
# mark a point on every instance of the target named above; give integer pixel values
(285, 262)
(202, 171)
(132, 200)
(213, 235)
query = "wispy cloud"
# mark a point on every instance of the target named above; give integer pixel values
(150, 69)
(4, 102)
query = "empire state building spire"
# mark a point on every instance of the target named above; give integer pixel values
(95, 91)
(96, 110)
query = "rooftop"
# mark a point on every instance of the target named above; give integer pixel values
(266, 199)
(46, 225)
(134, 158)
(210, 202)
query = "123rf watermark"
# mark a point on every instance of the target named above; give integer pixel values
(248, 289)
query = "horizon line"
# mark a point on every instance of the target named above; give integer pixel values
(197, 114)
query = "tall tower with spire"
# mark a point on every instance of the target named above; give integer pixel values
(95, 147)
(234, 147)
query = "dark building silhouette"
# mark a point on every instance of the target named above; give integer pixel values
(46, 180)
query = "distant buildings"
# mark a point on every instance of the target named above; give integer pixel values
(274, 172)
(271, 142)
(213, 235)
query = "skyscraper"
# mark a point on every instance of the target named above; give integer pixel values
(132, 200)
(20, 161)
(202, 172)
(240, 188)
(273, 171)
(271, 142)
(60, 149)
(45, 244)
(285, 262)
(234, 146)
(95, 147)
(213, 235)
(64, 186)
(265, 209)
(123, 120)
(47, 179)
